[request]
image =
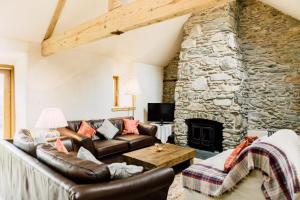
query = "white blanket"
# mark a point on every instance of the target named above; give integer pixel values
(286, 140)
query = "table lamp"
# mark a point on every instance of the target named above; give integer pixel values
(132, 88)
(51, 119)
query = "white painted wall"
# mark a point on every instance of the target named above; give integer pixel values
(14, 52)
(150, 79)
(81, 85)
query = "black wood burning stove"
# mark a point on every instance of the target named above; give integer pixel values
(205, 134)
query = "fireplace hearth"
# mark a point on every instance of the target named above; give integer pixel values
(205, 134)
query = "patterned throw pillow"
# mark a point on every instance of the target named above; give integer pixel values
(86, 130)
(230, 161)
(60, 146)
(130, 127)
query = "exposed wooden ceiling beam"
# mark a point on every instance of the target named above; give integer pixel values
(125, 18)
(113, 4)
(59, 7)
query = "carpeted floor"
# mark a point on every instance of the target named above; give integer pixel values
(176, 189)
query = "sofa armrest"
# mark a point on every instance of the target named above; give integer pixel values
(151, 185)
(78, 140)
(146, 129)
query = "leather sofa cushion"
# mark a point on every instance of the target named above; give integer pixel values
(86, 129)
(74, 125)
(137, 141)
(110, 147)
(24, 141)
(146, 129)
(96, 123)
(118, 122)
(80, 171)
(68, 143)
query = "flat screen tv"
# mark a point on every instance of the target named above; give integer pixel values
(161, 112)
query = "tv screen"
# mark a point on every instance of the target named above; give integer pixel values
(161, 112)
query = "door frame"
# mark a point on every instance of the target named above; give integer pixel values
(9, 101)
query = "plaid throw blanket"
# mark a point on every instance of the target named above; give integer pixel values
(280, 178)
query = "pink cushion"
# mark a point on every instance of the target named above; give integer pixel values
(60, 146)
(86, 130)
(130, 127)
(231, 160)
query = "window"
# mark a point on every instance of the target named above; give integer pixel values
(7, 103)
(116, 91)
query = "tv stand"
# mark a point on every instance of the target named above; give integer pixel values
(164, 130)
(162, 123)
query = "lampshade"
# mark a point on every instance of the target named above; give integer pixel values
(51, 118)
(132, 87)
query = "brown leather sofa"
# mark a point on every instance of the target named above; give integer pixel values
(35, 172)
(103, 148)
(38, 172)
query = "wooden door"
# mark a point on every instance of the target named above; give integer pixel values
(7, 111)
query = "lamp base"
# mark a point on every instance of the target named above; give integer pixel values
(133, 104)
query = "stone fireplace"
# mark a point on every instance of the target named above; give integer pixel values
(211, 75)
(205, 134)
(229, 71)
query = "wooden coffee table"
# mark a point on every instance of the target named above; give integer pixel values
(170, 156)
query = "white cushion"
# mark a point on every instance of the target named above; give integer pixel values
(85, 154)
(108, 130)
(289, 142)
(218, 160)
(122, 170)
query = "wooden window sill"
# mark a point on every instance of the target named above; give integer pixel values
(118, 109)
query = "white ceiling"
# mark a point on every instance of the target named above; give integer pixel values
(28, 20)
(25, 20)
(155, 44)
(76, 12)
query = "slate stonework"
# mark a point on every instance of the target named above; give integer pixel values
(211, 75)
(170, 78)
(239, 65)
(271, 51)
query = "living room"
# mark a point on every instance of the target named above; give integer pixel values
(94, 79)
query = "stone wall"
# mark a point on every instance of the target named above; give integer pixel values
(211, 74)
(170, 78)
(271, 51)
(238, 65)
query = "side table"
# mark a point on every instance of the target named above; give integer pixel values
(163, 131)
